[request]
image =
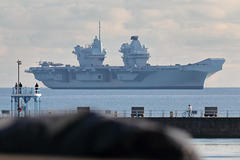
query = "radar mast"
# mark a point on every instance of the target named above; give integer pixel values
(99, 31)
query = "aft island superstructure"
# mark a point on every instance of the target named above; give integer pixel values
(135, 74)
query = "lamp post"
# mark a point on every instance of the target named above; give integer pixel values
(18, 89)
(19, 63)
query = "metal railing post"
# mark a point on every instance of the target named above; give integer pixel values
(11, 107)
(150, 113)
(125, 113)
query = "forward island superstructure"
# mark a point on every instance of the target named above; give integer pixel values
(135, 74)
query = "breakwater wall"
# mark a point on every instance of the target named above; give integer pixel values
(203, 127)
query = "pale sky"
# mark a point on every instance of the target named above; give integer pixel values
(175, 31)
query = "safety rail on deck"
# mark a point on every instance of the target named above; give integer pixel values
(128, 113)
(25, 90)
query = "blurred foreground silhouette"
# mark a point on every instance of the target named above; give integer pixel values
(93, 136)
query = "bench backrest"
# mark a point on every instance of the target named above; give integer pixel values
(83, 109)
(211, 110)
(139, 110)
(5, 112)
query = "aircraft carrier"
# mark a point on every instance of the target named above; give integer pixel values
(135, 74)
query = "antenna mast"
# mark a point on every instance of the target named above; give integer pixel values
(19, 63)
(99, 30)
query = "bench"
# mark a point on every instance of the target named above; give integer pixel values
(211, 112)
(83, 109)
(137, 112)
(5, 113)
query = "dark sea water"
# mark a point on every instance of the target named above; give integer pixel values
(226, 99)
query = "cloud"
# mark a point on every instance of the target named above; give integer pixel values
(3, 50)
(228, 76)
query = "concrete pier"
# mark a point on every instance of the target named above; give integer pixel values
(203, 127)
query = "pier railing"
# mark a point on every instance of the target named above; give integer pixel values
(129, 113)
(25, 90)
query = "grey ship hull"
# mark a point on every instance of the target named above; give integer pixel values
(149, 83)
(190, 76)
